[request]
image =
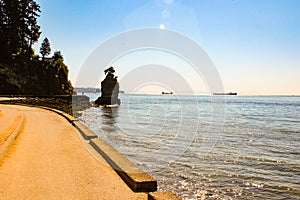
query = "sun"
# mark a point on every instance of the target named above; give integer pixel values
(162, 26)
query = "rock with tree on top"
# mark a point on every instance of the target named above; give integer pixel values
(109, 89)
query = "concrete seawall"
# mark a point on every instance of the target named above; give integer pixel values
(137, 180)
(134, 177)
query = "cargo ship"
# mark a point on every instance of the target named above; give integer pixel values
(167, 93)
(228, 93)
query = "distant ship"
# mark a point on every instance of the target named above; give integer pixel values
(229, 93)
(167, 93)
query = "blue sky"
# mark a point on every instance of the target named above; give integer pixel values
(254, 44)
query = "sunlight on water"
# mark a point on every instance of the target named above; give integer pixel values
(256, 157)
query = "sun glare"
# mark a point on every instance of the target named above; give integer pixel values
(162, 26)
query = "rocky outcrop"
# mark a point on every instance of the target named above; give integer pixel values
(109, 89)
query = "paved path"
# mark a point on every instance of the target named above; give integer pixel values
(49, 160)
(9, 119)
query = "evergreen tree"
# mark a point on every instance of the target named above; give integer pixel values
(57, 55)
(58, 76)
(21, 71)
(18, 28)
(45, 49)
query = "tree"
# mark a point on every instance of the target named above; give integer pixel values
(109, 71)
(57, 55)
(21, 71)
(57, 73)
(18, 28)
(45, 49)
(33, 29)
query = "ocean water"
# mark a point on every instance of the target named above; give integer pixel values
(203, 147)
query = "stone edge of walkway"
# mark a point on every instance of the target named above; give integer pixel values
(162, 195)
(134, 177)
(86, 133)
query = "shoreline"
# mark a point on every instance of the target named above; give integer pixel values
(206, 95)
(86, 141)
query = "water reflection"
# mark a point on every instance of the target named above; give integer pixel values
(109, 117)
(109, 129)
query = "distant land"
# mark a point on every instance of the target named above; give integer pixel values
(87, 90)
(90, 90)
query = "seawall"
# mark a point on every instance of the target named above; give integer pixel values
(136, 179)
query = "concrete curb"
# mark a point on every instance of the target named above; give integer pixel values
(134, 177)
(162, 196)
(12, 137)
(86, 133)
(68, 117)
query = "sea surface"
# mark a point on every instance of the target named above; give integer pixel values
(204, 147)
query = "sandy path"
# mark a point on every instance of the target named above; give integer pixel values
(48, 161)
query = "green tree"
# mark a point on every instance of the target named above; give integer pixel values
(57, 76)
(109, 71)
(57, 55)
(21, 72)
(45, 49)
(18, 28)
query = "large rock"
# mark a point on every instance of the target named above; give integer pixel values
(109, 89)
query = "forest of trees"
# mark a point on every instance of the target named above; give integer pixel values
(21, 70)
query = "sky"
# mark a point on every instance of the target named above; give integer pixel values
(253, 44)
